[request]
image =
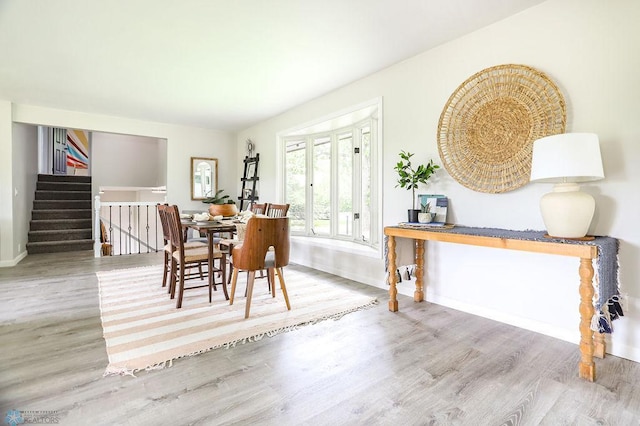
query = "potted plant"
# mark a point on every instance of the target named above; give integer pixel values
(425, 215)
(221, 205)
(410, 177)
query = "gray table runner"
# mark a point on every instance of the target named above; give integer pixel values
(607, 306)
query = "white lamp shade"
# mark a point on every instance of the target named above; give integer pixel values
(567, 157)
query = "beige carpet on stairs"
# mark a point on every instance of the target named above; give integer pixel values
(144, 330)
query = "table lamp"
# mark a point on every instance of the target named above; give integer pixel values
(567, 159)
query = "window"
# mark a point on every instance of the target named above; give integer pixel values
(330, 179)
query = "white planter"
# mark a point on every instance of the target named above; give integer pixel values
(425, 217)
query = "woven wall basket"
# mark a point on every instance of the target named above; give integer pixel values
(487, 128)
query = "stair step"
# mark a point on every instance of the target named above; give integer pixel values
(47, 214)
(64, 178)
(63, 195)
(59, 235)
(52, 224)
(61, 204)
(63, 186)
(59, 246)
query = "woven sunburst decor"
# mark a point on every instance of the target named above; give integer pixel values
(487, 128)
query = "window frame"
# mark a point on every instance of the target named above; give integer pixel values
(367, 115)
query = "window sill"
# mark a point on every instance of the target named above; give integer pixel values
(338, 245)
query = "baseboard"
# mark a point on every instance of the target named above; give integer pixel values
(14, 262)
(351, 274)
(625, 329)
(571, 336)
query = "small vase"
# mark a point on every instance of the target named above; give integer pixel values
(425, 217)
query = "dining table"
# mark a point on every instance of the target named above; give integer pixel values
(212, 228)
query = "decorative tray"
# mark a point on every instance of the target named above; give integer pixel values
(433, 226)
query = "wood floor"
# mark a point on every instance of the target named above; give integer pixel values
(424, 365)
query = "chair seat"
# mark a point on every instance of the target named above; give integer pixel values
(188, 246)
(195, 244)
(198, 254)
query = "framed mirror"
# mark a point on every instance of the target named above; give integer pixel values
(204, 177)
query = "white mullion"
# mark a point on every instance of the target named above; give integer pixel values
(356, 184)
(309, 148)
(376, 178)
(333, 197)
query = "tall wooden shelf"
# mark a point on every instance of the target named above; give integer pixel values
(249, 181)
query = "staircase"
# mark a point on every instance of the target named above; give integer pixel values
(61, 219)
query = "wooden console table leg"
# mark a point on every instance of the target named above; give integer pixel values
(600, 345)
(418, 295)
(393, 291)
(586, 368)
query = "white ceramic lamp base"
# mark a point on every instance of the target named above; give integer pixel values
(567, 212)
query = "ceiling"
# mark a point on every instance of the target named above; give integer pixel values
(219, 64)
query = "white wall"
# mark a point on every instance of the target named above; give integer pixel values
(126, 160)
(182, 143)
(25, 153)
(590, 49)
(6, 189)
(162, 159)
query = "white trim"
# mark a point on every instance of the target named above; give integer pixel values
(13, 262)
(280, 151)
(375, 102)
(371, 113)
(616, 342)
(338, 245)
(571, 336)
(129, 203)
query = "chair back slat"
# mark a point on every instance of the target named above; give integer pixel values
(175, 229)
(277, 210)
(260, 208)
(162, 212)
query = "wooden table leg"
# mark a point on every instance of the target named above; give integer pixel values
(600, 345)
(418, 295)
(210, 261)
(586, 368)
(393, 291)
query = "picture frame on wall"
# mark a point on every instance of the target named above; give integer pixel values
(438, 204)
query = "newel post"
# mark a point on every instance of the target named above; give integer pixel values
(97, 244)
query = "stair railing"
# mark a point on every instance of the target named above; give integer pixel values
(131, 227)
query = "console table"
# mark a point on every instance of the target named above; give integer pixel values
(591, 344)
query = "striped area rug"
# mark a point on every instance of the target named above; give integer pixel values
(144, 330)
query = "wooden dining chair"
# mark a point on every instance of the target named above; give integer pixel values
(167, 250)
(182, 258)
(253, 255)
(277, 210)
(259, 208)
(274, 210)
